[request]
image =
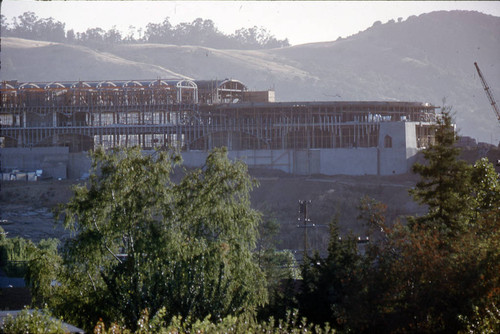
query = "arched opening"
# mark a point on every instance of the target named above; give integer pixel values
(187, 91)
(31, 94)
(231, 91)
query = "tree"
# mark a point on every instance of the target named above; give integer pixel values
(17, 253)
(93, 37)
(426, 275)
(199, 32)
(441, 264)
(50, 30)
(24, 25)
(331, 287)
(28, 25)
(277, 264)
(43, 268)
(159, 32)
(143, 241)
(257, 38)
(3, 24)
(280, 269)
(70, 36)
(445, 183)
(112, 36)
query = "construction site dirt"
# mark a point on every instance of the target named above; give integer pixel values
(26, 208)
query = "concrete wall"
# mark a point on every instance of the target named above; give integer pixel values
(356, 161)
(399, 158)
(381, 160)
(52, 160)
(78, 165)
(31, 158)
(276, 159)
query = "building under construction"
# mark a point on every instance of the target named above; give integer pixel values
(196, 116)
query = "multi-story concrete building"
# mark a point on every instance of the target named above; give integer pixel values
(354, 138)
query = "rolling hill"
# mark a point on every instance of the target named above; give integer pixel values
(428, 58)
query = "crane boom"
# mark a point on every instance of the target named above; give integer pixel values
(488, 93)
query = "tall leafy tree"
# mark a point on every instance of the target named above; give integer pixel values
(142, 241)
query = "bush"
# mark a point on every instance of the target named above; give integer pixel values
(32, 322)
(244, 323)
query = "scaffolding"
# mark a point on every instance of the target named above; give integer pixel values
(191, 115)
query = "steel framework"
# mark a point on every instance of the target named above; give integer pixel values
(190, 115)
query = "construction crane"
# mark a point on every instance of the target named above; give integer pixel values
(488, 93)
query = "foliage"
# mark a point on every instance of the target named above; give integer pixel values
(43, 267)
(331, 286)
(243, 323)
(183, 253)
(32, 322)
(435, 268)
(277, 265)
(15, 253)
(28, 25)
(486, 322)
(199, 32)
(280, 269)
(142, 241)
(445, 185)
(426, 275)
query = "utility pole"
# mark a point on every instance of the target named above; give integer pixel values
(306, 222)
(1, 170)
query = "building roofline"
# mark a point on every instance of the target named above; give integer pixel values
(298, 104)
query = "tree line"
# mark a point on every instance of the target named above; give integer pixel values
(199, 32)
(152, 255)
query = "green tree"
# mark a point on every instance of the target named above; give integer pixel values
(17, 253)
(43, 267)
(443, 263)
(281, 270)
(331, 286)
(278, 265)
(426, 275)
(445, 183)
(142, 241)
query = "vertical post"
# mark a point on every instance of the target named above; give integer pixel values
(304, 212)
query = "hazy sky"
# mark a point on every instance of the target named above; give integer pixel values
(299, 21)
